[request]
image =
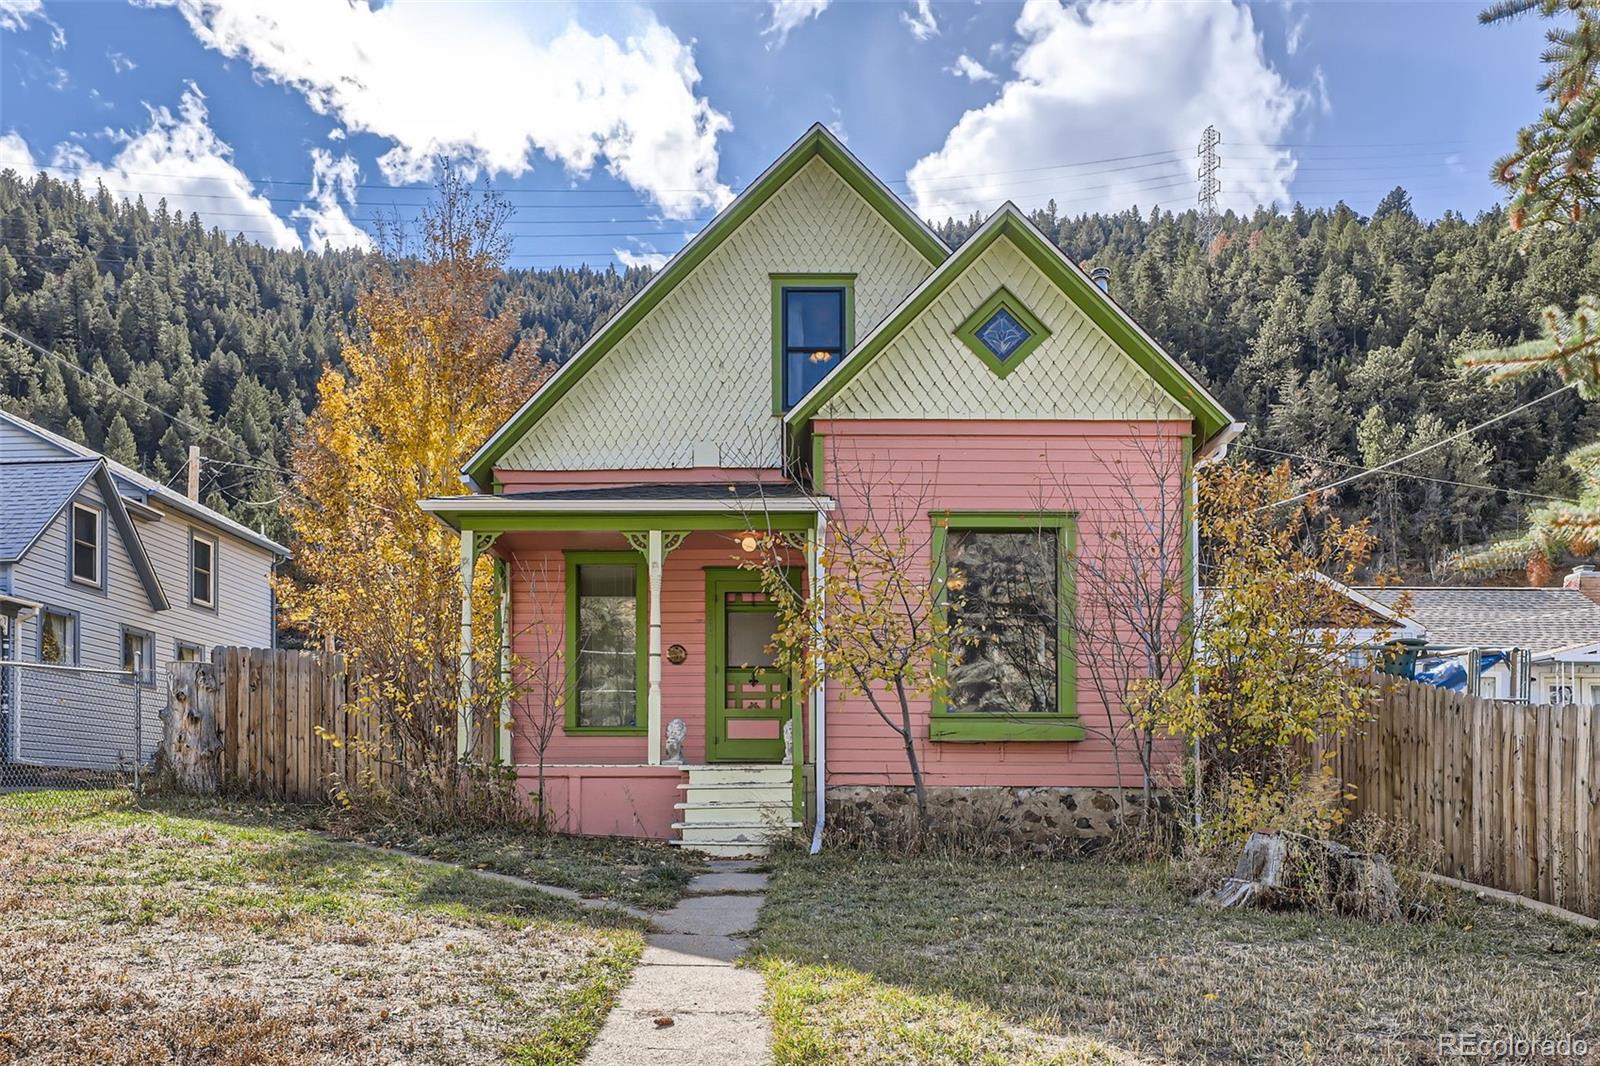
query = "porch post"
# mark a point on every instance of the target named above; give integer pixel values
(654, 555)
(464, 713)
(502, 579)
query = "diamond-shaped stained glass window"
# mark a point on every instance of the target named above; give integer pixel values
(1002, 334)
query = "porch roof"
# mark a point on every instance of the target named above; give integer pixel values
(721, 505)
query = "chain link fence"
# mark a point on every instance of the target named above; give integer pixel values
(66, 730)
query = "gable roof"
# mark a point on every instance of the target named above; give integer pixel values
(148, 487)
(1103, 311)
(36, 491)
(60, 480)
(818, 142)
(1538, 619)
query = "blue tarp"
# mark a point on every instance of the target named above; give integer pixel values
(1452, 673)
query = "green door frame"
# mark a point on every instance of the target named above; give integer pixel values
(719, 748)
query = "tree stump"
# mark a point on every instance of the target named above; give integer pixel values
(1289, 870)
(189, 740)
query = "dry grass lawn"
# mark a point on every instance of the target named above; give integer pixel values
(135, 936)
(874, 959)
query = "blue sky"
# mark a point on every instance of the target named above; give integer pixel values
(617, 129)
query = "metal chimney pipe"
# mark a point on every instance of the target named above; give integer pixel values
(1102, 279)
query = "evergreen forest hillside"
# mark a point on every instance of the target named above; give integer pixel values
(1332, 334)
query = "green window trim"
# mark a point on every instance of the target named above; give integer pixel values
(780, 282)
(968, 331)
(979, 727)
(575, 559)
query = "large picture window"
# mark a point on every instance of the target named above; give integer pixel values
(605, 629)
(1008, 666)
(812, 329)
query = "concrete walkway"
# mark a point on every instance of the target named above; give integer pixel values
(688, 1004)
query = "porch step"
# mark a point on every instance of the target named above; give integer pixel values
(729, 811)
(734, 809)
(739, 773)
(701, 795)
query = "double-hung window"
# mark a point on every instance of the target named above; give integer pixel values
(85, 555)
(606, 672)
(138, 655)
(202, 571)
(58, 637)
(812, 330)
(1004, 587)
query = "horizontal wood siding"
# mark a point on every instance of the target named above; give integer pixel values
(974, 466)
(243, 615)
(538, 598)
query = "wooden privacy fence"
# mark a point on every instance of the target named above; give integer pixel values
(287, 724)
(1509, 792)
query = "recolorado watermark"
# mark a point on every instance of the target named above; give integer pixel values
(1503, 1048)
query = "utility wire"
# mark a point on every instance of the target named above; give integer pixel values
(1404, 473)
(1367, 472)
(169, 416)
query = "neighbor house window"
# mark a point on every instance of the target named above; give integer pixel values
(86, 532)
(138, 655)
(1007, 664)
(58, 637)
(202, 571)
(605, 624)
(189, 653)
(811, 332)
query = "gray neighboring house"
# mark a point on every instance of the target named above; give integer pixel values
(1558, 627)
(103, 567)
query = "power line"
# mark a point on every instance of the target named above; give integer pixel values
(169, 416)
(1403, 473)
(1368, 471)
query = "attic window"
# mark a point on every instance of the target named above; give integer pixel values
(1002, 332)
(811, 331)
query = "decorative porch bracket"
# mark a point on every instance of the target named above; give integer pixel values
(473, 544)
(656, 544)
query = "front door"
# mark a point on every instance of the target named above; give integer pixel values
(747, 696)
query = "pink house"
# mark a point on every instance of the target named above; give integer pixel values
(814, 358)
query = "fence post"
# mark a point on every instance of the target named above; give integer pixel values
(138, 732)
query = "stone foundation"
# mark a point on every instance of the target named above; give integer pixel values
(1040, 820)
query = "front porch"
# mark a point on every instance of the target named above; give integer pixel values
(703, 741)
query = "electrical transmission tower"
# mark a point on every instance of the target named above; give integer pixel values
(1210, 184)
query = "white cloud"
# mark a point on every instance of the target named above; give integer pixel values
(1075, 96)
(788, 15)
(921, 22)
(328, 224)
(967, 67)
(15, 155)
(1294, 20)
(630, 258)
(120, 63)
(490, 90)
(180, 156)
(14, 14)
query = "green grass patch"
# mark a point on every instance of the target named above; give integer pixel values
(961, 962)
(641, 873)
